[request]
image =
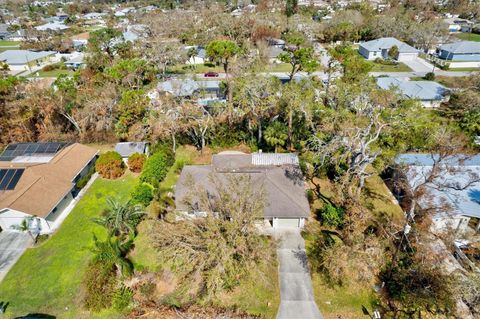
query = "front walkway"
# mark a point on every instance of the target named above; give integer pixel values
(296, 292)
(12, 245)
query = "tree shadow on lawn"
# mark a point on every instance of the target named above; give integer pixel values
(37, 316)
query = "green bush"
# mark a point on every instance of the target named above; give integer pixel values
(156, 168)
(430, 76)
(85, 178)
(331, 216)
(142, 194)
(122, 298)
(99, 283)
(136, 162)
(110, 165)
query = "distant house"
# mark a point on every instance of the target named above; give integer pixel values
(23, 59)
(125, 149)
(273, 52)
(199, 57)
(429, 93)
(458, 25)
(191, 88)
(379, 48)
(80, 41)
(38, 181)
(4, 33)
(52, 26)
(460, 51)
(76, 62)
(94, 15)
(278, 174)
(456, 207)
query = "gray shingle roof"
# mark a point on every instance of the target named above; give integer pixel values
(387, 43)
(125, 149)
(284, 185)
(457, 170)
(462, 47)
(18, 57)
(422, 90)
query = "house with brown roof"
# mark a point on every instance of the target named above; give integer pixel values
(40, 180)
(279, 175)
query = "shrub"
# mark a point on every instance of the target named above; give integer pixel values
(331, 216)
(430, 76)
(156, 168)
(110, 165)
(142, 194)
(122, 298)
(99, 283)
(136, 161)
(85, 178)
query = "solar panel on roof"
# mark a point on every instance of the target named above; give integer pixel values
(16, 177)
(30, 149)
(6, 179)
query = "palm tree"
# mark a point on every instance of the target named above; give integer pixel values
(120, 218)
(113, 251)
(276, 135)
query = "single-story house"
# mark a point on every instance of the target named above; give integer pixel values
(94, 15)
(76, 62)
(52, 26)
(198, 58)
(80, 41)
(4, 33)
(379, 48)
(125, 149)
(278, 174)
(460, 51)
(429, 93)
(273, 52)
(39, 180)
(23, 59)
(191, 88)
(454, 205)
(458, 25)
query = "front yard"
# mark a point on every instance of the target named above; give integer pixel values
(378, 67)
(47, 279)
(468, 36)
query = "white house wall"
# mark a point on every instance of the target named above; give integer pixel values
(10, 217)
(457, 223)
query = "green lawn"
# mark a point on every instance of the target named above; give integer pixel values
(400, 67)
(464, 69)
(6, 43)
(199, 68)
(468, 36)
(47, 279)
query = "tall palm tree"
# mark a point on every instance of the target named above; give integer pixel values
(120, 218)
(113, 251)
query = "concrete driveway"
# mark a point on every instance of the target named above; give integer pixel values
(12, 246)
(296, 292)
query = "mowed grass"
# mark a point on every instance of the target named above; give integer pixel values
(53, 73)
(468, 36)
(48, 278)
(400, 67)
(7, 43)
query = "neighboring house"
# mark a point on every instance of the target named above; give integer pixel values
(4, 33)
(39, 180)
(278, 174)
(429, 93)
(76, 62)
(125, 149)
(379, 48)
(94, 15)
(191, 88)
(455, 207)
(19, 35)
(24, 59)
(199, 58)
(80, 41)
(273, 52)
(52, 26)
(460, 51)
(458, 25)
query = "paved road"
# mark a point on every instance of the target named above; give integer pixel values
(12, 246)
(296, 292)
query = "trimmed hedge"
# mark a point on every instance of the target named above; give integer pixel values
(110, 165)
(156, 167)
(136, 162)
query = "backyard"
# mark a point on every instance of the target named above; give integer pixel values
(468, 36)
(47, 278)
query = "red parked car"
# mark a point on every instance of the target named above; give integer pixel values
(211, 75)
